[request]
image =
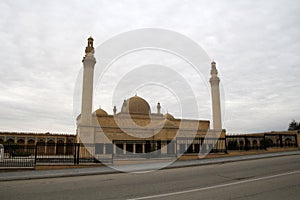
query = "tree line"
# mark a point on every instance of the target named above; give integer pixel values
(294, 126)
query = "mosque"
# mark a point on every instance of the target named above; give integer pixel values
(138, 130)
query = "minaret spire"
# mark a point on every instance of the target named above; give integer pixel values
(215, 94)
(89, 62)
(90, 46)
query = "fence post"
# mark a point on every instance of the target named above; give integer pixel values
(280, 140)
(296, 140)
(35, 153)
(112, 156)
(225, 144)
(74, 155)
(78, 151)
(176, 148)
(265, 145)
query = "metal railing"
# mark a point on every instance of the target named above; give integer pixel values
(16, 155)
(69, 153)
(237, 142)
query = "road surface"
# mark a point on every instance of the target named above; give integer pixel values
(268, 178)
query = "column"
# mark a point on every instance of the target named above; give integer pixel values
(134, 148)
(124, 148)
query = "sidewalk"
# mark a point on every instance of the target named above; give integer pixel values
(110, 169)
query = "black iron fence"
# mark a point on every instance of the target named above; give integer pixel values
(237, 142)
(15, 155)
(201, 145)
(70, 153)
(21, 155)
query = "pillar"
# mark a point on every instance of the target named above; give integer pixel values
(134, 148)
(124, 148)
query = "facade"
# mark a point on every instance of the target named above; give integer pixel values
(46, 143)
(136, 130)
(255, 141)
(34, 138)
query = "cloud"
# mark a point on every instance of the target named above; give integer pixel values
(255, 44)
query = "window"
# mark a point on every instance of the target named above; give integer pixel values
(129, 148)
(99, 148)
(119, 148)
(108, 149)
(181, 148)
(171, 147)
(139, 148)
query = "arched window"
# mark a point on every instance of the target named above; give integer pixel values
(21, 141)
(288, 142)
(254, 144)
(60, 146)
(50, 147)
(10, 141)
(70, 140)
(269, 143)
(31, 145)
(278, 142)
(41, 145)
(31, 142)
(241, 144)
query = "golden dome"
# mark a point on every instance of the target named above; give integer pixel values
(137, 105)
(100, 112)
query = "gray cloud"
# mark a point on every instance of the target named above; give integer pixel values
(255, 45)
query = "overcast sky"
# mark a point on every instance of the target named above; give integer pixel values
(255, 44)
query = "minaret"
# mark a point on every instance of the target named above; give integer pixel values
(215, 94)
(89, 62)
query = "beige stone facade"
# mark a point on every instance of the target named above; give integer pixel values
(32, 138)
(49, 143)
(135, 129)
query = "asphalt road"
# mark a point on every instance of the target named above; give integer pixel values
(269, 178)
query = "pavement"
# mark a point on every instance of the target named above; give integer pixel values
(111, 169)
